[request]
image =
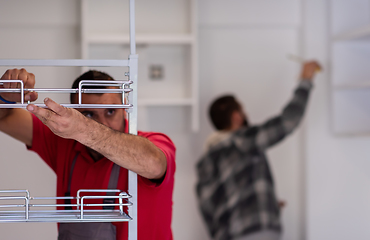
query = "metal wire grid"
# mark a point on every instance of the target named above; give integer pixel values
(31, 211)
(123, 87)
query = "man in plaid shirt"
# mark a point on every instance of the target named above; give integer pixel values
(235, 187)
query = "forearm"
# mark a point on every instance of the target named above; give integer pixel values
(4, 112)
(294, 110)
(17, 123)
(132, 152)
(128, 151)
(277, 128)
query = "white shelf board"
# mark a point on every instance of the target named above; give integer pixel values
(141, 39)
(354, 34)
(65, 62)
(165, 102)
(352, 86)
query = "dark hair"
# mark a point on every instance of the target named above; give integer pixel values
(221, 110)
(89, 75)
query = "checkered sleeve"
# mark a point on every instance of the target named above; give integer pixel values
(277, 128)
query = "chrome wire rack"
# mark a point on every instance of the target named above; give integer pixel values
(30, 211)
(19, 206)
(122, 87)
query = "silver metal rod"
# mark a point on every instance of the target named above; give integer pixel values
(104, 82)
(27, 207)
(12, 206)
(64, 62)
(89, 106)
(132, 28)
(121, 207)
(12, 198)
(54, 205)
(22, 92)
(51, 198)
(63, 211)
(105, 204)
(94, 190)
(65, 90)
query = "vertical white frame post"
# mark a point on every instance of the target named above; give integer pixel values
(132, 121)
(194, 64)
(84, 20)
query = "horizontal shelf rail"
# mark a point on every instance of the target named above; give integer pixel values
(65, 62)
(18, 105)
(121, 87)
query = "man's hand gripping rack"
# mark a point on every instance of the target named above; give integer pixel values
(27, 209)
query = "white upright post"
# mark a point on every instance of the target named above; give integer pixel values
(132, 177)
(194, 65)
(84, 44)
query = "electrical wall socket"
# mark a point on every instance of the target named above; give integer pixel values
(156, 72)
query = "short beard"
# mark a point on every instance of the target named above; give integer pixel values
(245, 123)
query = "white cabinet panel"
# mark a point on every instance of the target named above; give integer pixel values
(39, 13)
(152, 17)
(347, 15)
(241, 12)
(351, 111)
(350, 72)
(350, 63)
(175, 83)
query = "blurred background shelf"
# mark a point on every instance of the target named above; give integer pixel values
(97, 38)
(167, 46)
(360, 33)
(350, 81)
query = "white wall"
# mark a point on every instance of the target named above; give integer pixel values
(337, 176)
(243, 48)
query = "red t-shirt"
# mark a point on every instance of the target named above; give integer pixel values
(154, 200)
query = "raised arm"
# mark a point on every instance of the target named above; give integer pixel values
(132, 152)
(277, 128)
(17, 122)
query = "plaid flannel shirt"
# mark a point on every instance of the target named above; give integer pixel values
(235, 187)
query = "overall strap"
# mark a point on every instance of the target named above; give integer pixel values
(113, 182)
(68, 193)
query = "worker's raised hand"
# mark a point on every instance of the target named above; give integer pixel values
(28, 82)
(62, 121)
(309, 69)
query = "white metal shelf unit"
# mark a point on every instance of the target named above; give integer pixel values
(132, 64)
(131, 108)
(350, 76)
(176, 36)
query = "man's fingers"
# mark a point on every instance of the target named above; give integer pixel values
(55, 107)
(31, 96)
(24, 76)
(43, 114)
(14, 75)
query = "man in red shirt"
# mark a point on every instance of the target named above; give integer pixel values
(83, 146)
